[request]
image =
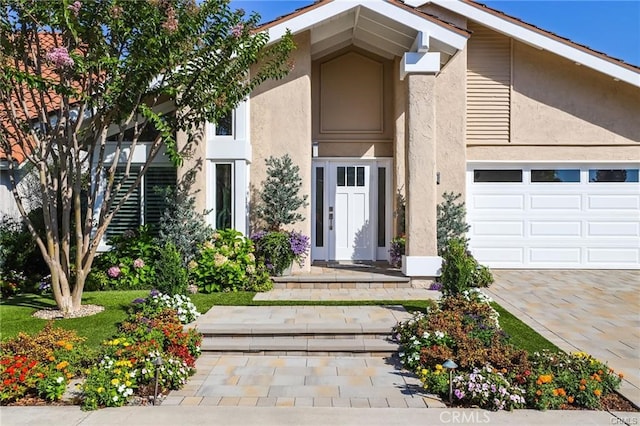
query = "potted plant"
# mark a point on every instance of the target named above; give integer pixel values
(279, 249)
(279, 204)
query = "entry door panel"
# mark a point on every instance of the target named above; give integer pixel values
(349, 213)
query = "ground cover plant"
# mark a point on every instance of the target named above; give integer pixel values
(492, 372)
(113, 371)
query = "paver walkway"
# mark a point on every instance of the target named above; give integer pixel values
(593, 311)
(349, 294)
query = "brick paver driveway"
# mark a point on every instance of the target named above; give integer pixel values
(593, 311)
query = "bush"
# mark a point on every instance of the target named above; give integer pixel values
(461, 271)
(171, 275)
(18, 250)
(279, 249)
(128, 265)
(397, 250)
(227, 263)
(451, 221)
(182, 226)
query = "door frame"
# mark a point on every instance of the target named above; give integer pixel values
(377, 253)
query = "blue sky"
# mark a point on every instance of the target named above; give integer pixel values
(609, 26)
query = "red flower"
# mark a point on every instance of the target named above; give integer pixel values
(7, 382)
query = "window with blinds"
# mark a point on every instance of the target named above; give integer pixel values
(146, 203)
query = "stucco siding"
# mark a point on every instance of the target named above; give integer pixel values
(281, 124)
(450, 125)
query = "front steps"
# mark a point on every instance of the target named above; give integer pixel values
(300, 330)
(337, 276)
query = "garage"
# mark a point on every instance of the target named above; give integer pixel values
(554, 216)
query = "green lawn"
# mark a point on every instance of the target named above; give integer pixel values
(16, 314)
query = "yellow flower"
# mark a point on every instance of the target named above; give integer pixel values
(68, 346)
(62, 365)
(424, 371)
(115, 382)
(597, 392)
(438, 367)
(100, 389)
(128, 383)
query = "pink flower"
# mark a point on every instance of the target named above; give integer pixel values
(113, 272)
(75, 7)
(171, 24)
(138, 263)
(59, 56)
(236, 30)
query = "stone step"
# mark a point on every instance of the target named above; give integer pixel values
(307, 331)
(337, 285)
(292, 346)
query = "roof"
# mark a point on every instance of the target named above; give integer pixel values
(539, 38)
(442, 33)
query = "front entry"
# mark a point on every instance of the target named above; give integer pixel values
(351, 210)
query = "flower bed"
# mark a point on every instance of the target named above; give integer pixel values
(494, 374)
(125, 366)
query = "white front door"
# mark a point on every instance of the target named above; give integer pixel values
(350, 227)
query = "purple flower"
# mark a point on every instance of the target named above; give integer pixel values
(459, 393)
(114, 272)
(435, 286)
(60, 58)
(299, 244)
(154, 293)
(75, 7)
(138, 300)
(138, 263)
(258, 235)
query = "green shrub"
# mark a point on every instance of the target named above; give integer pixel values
(182, 226)
(129, 264)
(171, 275)
(451, 221)
(227, 263)
(458, 268)
(18, 250)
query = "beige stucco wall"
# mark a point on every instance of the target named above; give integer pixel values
(450, 125)
(574, 112)
(281, 124)
(192, 174)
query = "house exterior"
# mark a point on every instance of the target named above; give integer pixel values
(539, 134)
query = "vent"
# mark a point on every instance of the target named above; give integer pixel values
(488, 87)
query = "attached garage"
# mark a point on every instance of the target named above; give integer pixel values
(554, 216)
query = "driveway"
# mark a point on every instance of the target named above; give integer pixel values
(593, 311)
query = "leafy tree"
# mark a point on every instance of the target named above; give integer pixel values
(76, 73)
(280, 197)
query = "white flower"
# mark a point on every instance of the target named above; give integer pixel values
(60, 379)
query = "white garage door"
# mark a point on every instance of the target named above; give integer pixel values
(554, 216)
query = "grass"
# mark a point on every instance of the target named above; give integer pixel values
(521, 334)
(16, 314)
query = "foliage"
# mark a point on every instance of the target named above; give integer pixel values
(156, 301)
(11, 283)
(172, 277)
(487, 388)
(129, 264)
(227, 263)
(397, 250)
(182, 226)
(153, 331)
(557, 380)
(279, 198)
(494, 374)
(460, 270)
(91, 67)
(451, 220)
(40, 364)
(279, 249)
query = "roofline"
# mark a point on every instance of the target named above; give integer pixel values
(539, 38)
(276, 28)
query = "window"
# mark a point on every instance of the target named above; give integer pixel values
(224, 127)
(497, 175)
(354, 176)
(382, 206)
(224, 196)
(319, 206)
(556, 175)
(146, 204)
(613, 175)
